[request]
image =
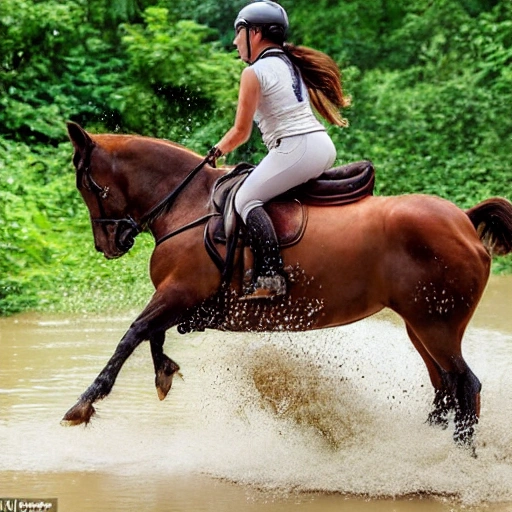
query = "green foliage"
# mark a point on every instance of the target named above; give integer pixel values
(219, 14)
(179, 78)
(54, 67)
(350, 32)
(431, 84)
(30, 208)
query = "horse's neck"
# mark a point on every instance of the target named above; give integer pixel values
(156, 168)
(152, 169)
(167, 167)
(177, 168)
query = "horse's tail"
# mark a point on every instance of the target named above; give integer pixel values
(492, 219)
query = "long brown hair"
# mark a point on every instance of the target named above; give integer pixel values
(323, 80)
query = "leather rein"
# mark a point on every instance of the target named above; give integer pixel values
(126, 229)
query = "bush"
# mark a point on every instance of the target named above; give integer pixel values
(431, 84)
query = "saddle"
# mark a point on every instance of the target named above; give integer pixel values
(335, 187)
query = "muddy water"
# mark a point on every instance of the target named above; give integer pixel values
(332, 420)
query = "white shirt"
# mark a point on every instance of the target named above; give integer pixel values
(279, 113)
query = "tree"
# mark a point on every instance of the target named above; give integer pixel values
(179, 78)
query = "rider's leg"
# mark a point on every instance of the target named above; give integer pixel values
(269, 274)
(296, 160)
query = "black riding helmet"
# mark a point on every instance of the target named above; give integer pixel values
(270, 16)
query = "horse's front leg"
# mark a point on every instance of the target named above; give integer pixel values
(159, 315)
(83, 411)
(165, 368)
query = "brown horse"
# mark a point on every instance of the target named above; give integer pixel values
(418, 255)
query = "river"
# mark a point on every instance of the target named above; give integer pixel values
(329, 420)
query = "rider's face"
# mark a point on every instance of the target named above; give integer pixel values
(240, 42)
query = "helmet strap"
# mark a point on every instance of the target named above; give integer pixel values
(248, 39)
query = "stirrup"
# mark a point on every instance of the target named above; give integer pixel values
(267, 287)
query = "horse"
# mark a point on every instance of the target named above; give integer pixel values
(419, 255)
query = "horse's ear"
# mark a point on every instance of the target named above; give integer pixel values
(79, 137)
(82, 143)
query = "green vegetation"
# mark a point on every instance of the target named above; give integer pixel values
(431, 84)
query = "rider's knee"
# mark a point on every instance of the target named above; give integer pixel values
(244, 206)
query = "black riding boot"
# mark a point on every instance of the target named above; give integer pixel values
(268, 278)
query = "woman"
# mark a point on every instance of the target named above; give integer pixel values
(275, 91)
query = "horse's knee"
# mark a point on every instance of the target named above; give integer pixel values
(139, 330)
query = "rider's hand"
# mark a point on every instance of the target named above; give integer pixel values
(212, 155)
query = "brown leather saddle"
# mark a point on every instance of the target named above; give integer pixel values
(337, 186)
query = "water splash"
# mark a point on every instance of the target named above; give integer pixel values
(341, 410)
(344, 411)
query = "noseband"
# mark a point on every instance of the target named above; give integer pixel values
(126, 229)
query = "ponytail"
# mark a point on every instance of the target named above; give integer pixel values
(323, 80)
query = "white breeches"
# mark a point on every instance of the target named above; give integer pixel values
(294, 161)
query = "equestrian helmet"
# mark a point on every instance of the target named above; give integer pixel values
(263, 13)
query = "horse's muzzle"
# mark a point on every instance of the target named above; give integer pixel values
(125, 235)
(124, 232)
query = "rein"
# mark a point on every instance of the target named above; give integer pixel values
(171, 197)
(127, 229)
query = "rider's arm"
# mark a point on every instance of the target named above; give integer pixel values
(248, 98)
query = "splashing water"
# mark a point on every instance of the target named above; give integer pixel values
(341, 410)
(344, 411)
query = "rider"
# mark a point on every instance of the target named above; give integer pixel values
(275, 91)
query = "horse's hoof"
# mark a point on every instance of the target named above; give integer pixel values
(439, 420)
(164, 377)
(468, 446)
(80, 413)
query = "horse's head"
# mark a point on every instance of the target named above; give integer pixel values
(128, 182)
(103, 189)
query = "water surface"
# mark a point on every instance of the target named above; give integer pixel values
(330, 420)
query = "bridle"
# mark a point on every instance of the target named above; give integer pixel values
(126, 229)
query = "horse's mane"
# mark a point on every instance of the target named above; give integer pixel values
(112, 141)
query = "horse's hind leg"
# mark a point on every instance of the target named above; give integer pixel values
(444, 399)
(165, 368)
(460, 388)
(461, 393)
(468, 405)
